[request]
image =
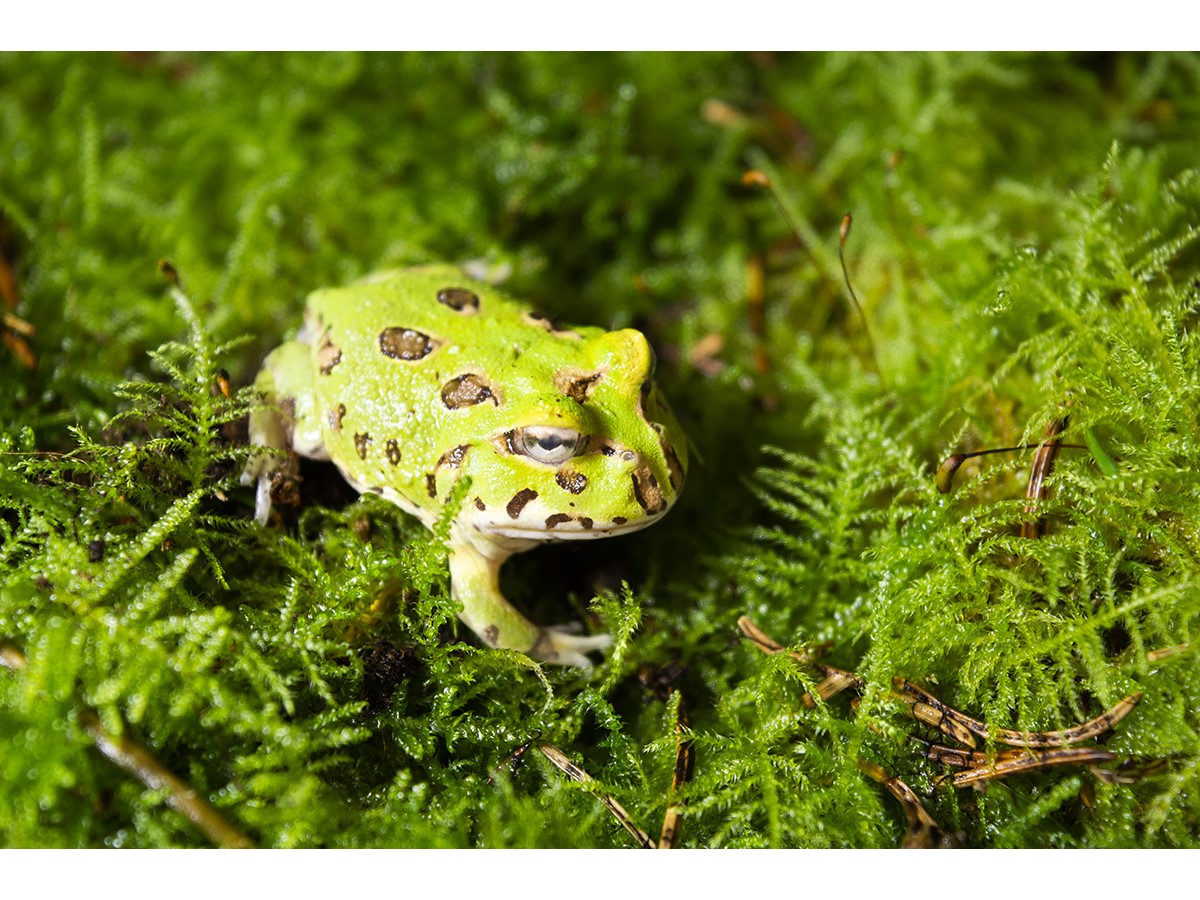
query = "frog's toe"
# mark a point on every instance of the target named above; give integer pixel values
(258, 472)
(558, 648)
(262, 500)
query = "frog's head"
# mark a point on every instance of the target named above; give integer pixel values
(590, 448)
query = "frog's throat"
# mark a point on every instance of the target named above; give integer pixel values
(490, 545)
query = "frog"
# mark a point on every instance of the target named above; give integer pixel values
(410, 380)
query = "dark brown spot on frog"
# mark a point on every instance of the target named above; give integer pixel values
(328, 355)
(619, 520)
(393, 451)
(517, 503)
(467, 390)
(335, 417)
(459, 299)
(574, 482)
(406, 344)
(585, 523)
(480, 505)
(491, 634)
(557, 519)
(646, 491)
(576, 383)
(674, 466)
(362, 441)
(453, 458)
(431, 486)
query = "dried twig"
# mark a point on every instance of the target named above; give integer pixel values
(1035, 749)
(685, 762)
(929, 709)
(1043, 465)
(834, 680)
(924, 833)
(657, 679)
(574, 772)
(1025, 760)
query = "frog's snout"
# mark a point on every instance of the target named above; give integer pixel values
(625, 356)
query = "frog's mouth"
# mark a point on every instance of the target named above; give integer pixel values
(562, 527)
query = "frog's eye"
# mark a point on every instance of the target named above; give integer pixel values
(549, 445)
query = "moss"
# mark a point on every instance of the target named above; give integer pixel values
(1023, 247)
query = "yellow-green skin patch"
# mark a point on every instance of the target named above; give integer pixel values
(411, 379)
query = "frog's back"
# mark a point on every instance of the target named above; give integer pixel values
(415, 364)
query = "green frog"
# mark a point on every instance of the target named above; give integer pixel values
(411, 379)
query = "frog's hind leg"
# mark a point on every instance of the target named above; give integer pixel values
(285, 423)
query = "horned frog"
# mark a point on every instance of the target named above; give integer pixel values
(410, 379)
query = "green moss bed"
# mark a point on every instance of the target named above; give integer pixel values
(1024, 251)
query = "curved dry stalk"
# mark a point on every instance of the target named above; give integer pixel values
(924, 707)
(834, 680)
(1035, 749)
(927, 708)
(1043, 465)
(1131, 771)
(950, 756)
(924, 833)
(672, 820)
(768, 644)
(575, 773)
(1016, 761)
(149, 771)
(948, 468)
(843, 234)
(685, 763)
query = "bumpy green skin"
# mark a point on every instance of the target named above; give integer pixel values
(411, 379)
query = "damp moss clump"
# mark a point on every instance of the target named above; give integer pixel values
(1023, 248)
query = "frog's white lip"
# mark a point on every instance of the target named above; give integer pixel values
(572, 531)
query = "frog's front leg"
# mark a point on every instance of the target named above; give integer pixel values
(286, 421)
(475, 583)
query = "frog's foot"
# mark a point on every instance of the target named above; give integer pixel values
(276, 482)
(556, 647)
